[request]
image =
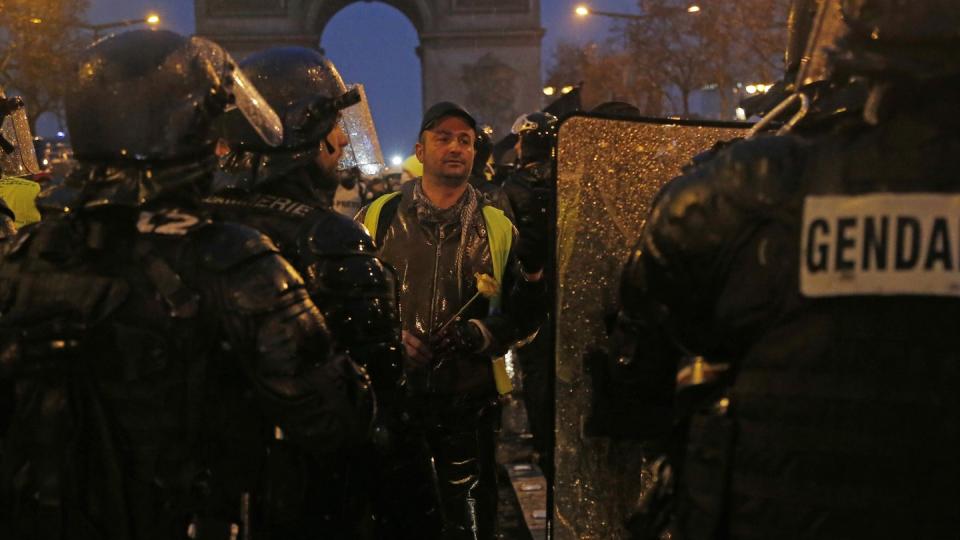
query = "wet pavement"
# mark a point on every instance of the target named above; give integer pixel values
(522, 509)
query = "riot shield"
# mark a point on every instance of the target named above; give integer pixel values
(608, 172)
(17, 154)
(363, 151)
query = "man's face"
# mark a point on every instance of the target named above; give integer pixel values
(326, 160)
(446, 150)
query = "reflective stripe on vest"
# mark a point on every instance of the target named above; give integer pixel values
(372, 218)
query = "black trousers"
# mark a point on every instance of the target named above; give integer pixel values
(463, 446)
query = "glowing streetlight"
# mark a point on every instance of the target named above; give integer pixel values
(549, 90)
(36, 20)
(751, 89)
(566, 90)
(152, 20)
(582, 10)
(693, 9)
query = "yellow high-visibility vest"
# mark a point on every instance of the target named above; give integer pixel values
(20, 195)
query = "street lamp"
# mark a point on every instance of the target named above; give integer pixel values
(582, 11)
(152, 20)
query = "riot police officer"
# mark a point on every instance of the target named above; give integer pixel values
(531, 190)
(157, 352)
(820, 266)
(280, 191)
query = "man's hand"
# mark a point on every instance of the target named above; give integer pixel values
(460, 338)
(417, 354)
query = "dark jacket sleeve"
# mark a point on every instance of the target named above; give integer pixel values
(523, 309)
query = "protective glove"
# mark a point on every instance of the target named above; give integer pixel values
(531, 206)
(532, 248)
(458, 339)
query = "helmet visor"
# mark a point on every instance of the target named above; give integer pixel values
(363, 149)
(261, 116)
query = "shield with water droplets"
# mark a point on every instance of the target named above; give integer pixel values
(608, 172)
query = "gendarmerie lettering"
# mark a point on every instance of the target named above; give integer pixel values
(264, 202)
(908, 242)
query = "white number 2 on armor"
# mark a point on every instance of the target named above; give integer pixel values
(170, 223)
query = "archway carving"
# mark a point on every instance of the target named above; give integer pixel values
(459, 41)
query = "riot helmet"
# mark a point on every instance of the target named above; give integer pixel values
(536, 137)
(483, 146)
(150, 97)
(311, 98)
(306, 90)
(17, 154)
(895, 38)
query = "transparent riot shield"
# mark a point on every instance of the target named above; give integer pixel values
(17, 154)
(363, 151)
(608, 172)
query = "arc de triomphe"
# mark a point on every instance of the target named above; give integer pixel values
(484, 54)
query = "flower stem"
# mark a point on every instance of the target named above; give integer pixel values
(457, 314)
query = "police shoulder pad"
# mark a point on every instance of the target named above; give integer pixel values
(226, 245)
(330, 233)
(768, 166)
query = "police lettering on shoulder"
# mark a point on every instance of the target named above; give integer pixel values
(157, 352)
(881, 244)
(820, 264)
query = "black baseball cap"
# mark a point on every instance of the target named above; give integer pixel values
(442, 110)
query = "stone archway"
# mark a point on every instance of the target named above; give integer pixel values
(484, 54)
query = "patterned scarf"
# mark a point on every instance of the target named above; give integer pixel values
(465, 209)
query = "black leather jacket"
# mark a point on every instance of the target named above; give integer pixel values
(425, 256)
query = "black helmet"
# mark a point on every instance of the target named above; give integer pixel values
(305, 89)
(882, 39)
(893, 38)
(537, 133)
(308, 93)
(484, 148)
(150, 96)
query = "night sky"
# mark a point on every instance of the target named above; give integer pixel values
(374, 44)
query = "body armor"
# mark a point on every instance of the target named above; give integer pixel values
(354, 289)
(109, 313)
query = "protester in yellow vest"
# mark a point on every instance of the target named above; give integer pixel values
(445, 242)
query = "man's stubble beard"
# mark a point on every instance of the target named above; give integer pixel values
(453, 181)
